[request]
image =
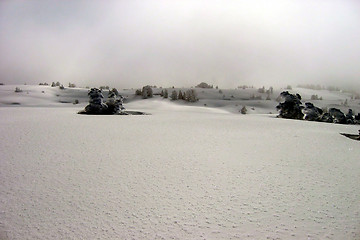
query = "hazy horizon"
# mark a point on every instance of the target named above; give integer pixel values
(128, 44)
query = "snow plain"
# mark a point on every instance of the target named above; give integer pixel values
(183, 172)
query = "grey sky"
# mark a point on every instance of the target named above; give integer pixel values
(227, 43)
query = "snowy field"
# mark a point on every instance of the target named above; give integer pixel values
(183, 172)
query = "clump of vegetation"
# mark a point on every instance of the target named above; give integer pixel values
(191, 96)
(292, 108)
(114, 104)
(174, 95)
(147, 92)
(72, 85)
(18, 90)
(243, 110)
(204, 85)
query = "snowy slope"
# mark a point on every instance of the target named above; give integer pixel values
(181, 173)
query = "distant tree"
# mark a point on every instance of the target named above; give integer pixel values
(174, 95)
(204, 85)
(180, 96)
(191, 96)
(166, 94)
(261, 90)
(138, 92)
(243, 110)
(314, 97)
(162, 93)
(53, 84)
(57, 84)
(72, 85)
(271, 90)
(17, 90)
(147, 92)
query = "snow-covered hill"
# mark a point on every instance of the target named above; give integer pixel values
(231, 100)
(183, 172)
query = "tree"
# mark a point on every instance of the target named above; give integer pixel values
(180, 96)
(17, 90)
(138, 92)
(147, 92)
(96, 104)
(191, 96)
(174, 95)
(114, 102)
(291, 107)
(72, 85)
(243, 110)
(204, 85)
(166, 94)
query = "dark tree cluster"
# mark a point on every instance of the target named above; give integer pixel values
(97, 106)
(292, 108)
(204, 85)
(189, 96)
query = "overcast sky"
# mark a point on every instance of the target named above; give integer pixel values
(228, 43)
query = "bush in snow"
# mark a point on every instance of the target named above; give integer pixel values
(17, 90)
(243, 110)
(291, 107)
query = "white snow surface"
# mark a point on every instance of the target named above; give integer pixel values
(183, 172)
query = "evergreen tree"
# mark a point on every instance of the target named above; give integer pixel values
(174, 95)
(180, 96)
(166, 94)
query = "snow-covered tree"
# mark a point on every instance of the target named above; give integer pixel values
(191, 95)
(291, 107)
(337, 115)
(243, 110)
(96, 104)
(311, 112)
(17, 90)
(180, 96)
(166, 94)
(147, 92)
(114, 102)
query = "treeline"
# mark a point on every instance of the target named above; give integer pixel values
(189, 95)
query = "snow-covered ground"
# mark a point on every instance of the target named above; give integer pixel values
(183, 172)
